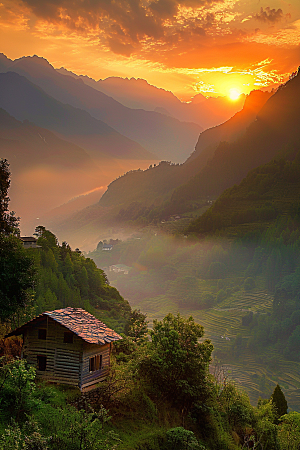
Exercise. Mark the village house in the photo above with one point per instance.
(29, 242)
(68, 346)
(107, 247)
(120, 268)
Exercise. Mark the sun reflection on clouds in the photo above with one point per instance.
(11, 17)
(289, 36)
(206, 46)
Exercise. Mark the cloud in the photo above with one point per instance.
(270, 15)
(285, 37)
(123, 26)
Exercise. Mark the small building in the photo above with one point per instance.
(29, 242)
(68, 346)
(119, 268)
(107, 247)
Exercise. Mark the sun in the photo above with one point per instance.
(234, 94)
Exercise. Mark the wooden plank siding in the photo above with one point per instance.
(63, 359)
(89, 350)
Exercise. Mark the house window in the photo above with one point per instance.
(42, 333)
(95, 363)
(68, 337)
(42, 362)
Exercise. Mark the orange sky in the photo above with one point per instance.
(187, 46)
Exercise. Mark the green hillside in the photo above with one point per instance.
(267, 193)
(66, 278)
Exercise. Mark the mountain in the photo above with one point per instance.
(123, 203)
(166, 137)
(46, 170)
(27, 144)
(139, 94)
(267, 193)
(177, 189)
(230, 130)
(26, 101)
(275, 131)
(157, 183)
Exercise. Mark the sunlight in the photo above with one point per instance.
(234, 94)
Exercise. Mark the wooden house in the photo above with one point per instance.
(29, 242)
(68, 346)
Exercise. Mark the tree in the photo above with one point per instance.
(278, 399)
(8, 221)
(289, 431)
(175, 362)
(17, 275)
(137, 326)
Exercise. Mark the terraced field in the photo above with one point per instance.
(258, 375)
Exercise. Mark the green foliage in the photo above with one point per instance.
(289, 431)
(279, 401)
(17, 388)
(78, 430)
(8, 222)
(217, 270)
(265, 430)
(67, 278)
(12, 439)
(137, 326)
(17, 275)
(175, 361)
(181, 439)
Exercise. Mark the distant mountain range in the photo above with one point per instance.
(26, 101)
(139, 94)
(160, 181)
(166, 188)
(266, 128)
(67, 136)
(45, 169)
(162, 136)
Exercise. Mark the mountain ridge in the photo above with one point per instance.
(166, 137)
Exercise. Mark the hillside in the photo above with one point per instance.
(266, 194)
(274, 131)
(229, 131)
(166, 137)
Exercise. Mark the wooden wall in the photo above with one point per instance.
(66, 363)
(63, 360)
(89, 350)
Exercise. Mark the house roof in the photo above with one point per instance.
(80, 322)
(121, 266)
(28, 239)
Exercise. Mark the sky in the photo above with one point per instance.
(212, 47)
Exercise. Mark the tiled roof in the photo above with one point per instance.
(27, 238)
(80, 322)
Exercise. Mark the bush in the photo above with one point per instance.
(18, 387)
(181, 439)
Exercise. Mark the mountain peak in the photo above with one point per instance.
(30, 60)
(256, 99)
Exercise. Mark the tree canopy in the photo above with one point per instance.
(8, 221)
(278, 399)
(176, 362)
(16, 266)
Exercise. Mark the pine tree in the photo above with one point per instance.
(278, 399)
